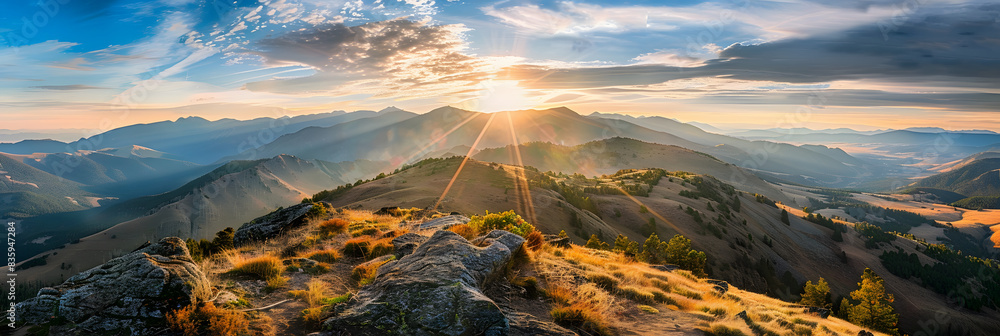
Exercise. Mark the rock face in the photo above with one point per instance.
(435, 290)
(444, 222)
(272, 224)
(127, 295)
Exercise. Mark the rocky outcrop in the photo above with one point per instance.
(444, 222)
(407, 243)
(271, 225)
(127, 295)
(435, 290)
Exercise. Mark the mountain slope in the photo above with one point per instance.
(229, 196)
(27, 191)
(605, 157)
(977, 178)
(762, 255)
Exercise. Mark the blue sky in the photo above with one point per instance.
(797, 63)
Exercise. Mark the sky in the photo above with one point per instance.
(865, 64)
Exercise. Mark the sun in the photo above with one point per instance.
(502, 95)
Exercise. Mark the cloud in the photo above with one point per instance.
(402, 54)
(71, 87)
(960, 46)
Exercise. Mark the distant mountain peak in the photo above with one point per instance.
(390, 109)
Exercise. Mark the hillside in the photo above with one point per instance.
(980, 177)
(27, 191)
(764, 255)
(413, 270)
(227, 197)
(608, 156)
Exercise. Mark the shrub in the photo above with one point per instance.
(327, 256)
(358, 247)
(636, 294)
(507, 220)
(464, 230)
(535, 240)
(263, 267)
(559, 295)
(581, 317)
(333, 227)
(603, 280)
(194, 320)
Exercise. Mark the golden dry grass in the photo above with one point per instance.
(262, 266)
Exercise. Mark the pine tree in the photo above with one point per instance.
(649, 249)
(621, 243)
(873, 308)
(677, 249)
(594, 242)
(784, 217)
(817, 295)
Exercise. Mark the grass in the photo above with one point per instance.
(464, 230)
(313, 294)
(723, 330)
(275, 282)
(580, 317)
(603, 280)
(637, 294)
(649, 309)
(359, 247)
(206, 318)
(365, 273)
(263, 267)
(333, 227)
(326, 256)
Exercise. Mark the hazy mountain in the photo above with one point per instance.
(444, 128)
(227, 197)
(34, 146)
(8, 136)
(813, 166)
(195, 139)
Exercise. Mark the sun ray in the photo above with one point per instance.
(521, 187)
(435, 141)
(464, 160)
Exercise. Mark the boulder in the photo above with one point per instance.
(127, 295)
(444, 222)
(557, 241)
(271, 225)
(436, 290)
(407, 243)
(720, 286)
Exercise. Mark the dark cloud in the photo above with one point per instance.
(941, 44)
(72, 87)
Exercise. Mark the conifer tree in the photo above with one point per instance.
(817, 295)
(872, 306)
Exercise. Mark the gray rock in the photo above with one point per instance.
(407, 243)
(720, 287)
(271, 225)
(130, 294)
(557, 241)
(433, 291)
(444, 222)
(225, 297)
